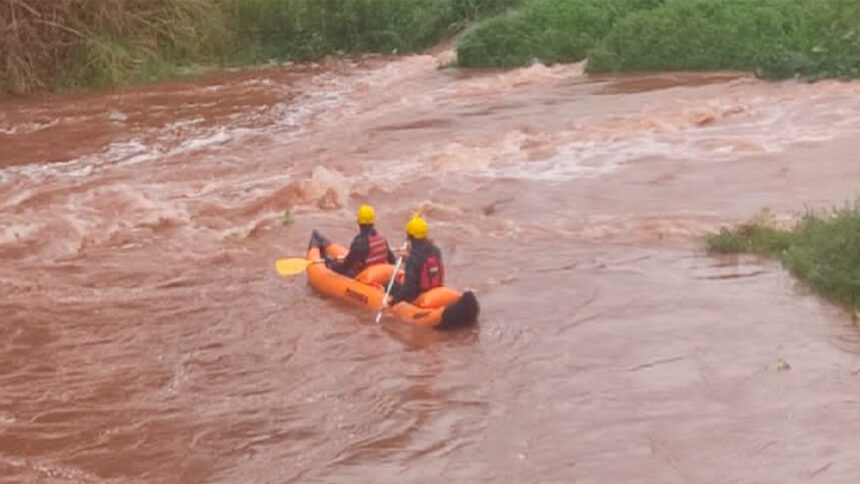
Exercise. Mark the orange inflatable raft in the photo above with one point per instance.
(441, 307)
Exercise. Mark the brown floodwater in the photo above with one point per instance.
(145, 336)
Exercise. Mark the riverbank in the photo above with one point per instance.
(821, 249)
(103, 43)
(773, 38)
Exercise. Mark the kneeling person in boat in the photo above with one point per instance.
(424, 269)
(367, 248)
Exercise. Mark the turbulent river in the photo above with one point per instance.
(145, 336)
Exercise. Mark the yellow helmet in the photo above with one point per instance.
(366, 215)
(417, 228)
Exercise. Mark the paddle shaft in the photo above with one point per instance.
(388, 290)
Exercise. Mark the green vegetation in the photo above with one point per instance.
(547, 30)
(305, 29)
(822, 249)
(94, 43)
(774, 38)
(50, 44)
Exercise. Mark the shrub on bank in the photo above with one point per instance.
(304, 29)
(695, 35)
(546, 30)
(774, 38)
(822, 249)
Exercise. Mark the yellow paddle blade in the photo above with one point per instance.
(291, 267)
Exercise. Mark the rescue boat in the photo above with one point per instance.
(441, 308)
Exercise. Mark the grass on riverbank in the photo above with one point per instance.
(774, 38)
(59, 44)
(306, 29)
(50, 44)
(823, 249)
(547, 30)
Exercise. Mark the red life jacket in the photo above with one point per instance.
(432, 273)
(377, 250)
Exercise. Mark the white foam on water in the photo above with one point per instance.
(28, 128)
(18, 232)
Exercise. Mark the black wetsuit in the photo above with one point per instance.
(359, 251)
(421, 251)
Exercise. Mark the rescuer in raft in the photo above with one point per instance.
(424, 269)
(367, 248)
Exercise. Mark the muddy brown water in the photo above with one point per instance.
(144, 336)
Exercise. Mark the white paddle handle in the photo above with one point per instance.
(388, 290)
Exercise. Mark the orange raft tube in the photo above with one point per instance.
(441, 307)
